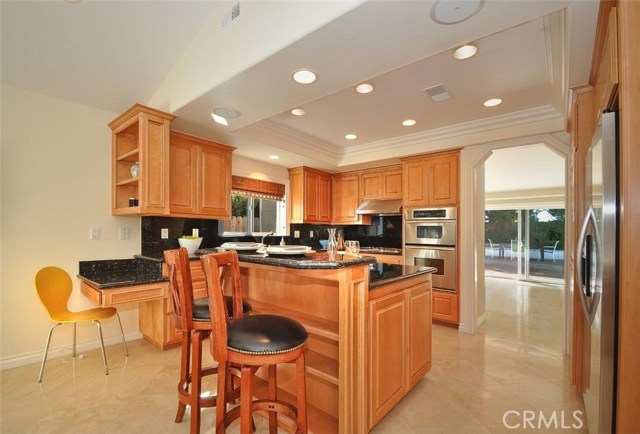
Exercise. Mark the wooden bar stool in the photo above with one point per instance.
(249, 343)
(191, 316)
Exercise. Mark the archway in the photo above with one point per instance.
(472, 227)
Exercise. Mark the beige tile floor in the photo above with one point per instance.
(513, 364)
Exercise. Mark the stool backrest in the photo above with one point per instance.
(177, 261)
(220, 270)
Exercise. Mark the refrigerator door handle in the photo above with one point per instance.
(584, 266)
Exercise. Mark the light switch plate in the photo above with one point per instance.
(296, 234)
(195, 232)
(164, 233)
(310, 234)
(94, 233)
(124, 233)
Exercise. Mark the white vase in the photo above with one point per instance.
(135, 169)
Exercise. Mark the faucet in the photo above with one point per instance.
(266, 235)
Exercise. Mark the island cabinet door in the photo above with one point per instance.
(388, 336)
(419, 333)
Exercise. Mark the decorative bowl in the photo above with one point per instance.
(191, 244)
(323, 243)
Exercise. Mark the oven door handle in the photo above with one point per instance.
(429, 247)
(428, 221)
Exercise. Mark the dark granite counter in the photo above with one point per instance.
(382, 274)
(310, 261)
(114, 273)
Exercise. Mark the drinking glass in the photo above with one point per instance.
(352, 247)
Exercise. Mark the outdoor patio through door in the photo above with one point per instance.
(526, 244)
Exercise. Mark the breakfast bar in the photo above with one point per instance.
(369, 330)
(369, 324)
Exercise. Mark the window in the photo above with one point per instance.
(256, 206)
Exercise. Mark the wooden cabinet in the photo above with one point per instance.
(445, 306)
(385, 259)
(400, 345)
(200, 177)
(345, 198)
(156, 317)
(141, 135)
(381, 183)
(431, 180)
(310, 195)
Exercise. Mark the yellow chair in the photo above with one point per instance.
(54, 288)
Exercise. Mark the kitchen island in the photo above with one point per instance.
(369, 330)
(369, 326)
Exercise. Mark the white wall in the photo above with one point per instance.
(56, 174)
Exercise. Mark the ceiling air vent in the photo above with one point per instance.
(231, 14)
(437, 93)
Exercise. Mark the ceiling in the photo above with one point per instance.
(179, 57)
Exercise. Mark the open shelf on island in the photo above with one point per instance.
(314, 325)
(318, 421)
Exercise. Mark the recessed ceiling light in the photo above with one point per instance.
(227, 112)
(364, 88)
(304, 76)
(454, 11)
(492, 102)
(219, 119)
(465, 52)
(408, 122)
(350, 137)
(273, 157)
(298, 112)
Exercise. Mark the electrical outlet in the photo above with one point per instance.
(124, 233)
(94, 233)
(195, 232)
(164, 233)
(296, 234)
(310, 234)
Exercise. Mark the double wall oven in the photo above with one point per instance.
(430, 240)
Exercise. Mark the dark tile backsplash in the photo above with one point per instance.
(383, 232)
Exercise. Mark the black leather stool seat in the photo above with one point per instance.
(265, 334)
(201, 308)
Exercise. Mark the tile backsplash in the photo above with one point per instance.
(383, 232)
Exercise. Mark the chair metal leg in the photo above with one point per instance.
(46, 351)
(75, 326)
(124, 342)
(104, 355)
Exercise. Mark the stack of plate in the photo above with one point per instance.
(242, 246)
(288, 250)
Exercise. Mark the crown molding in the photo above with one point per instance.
(400, 146)
(278, 135)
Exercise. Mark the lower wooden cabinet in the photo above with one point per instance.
(156, 317)
(445, 307)
(385, 259)
(400, 346)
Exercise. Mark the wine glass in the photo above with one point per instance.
(353, 247)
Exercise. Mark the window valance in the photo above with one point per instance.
(257, 188)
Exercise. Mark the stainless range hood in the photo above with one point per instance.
(380, 207)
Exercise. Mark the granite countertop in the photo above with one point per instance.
(382, 274)
(310, 261)
(106, 274)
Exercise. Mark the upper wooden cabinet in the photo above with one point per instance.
(381, 183)
(345, 198)
(431, 180)
(141, 134)
(200, 177)
(310, 195)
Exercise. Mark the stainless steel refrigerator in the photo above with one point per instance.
(597, 274)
